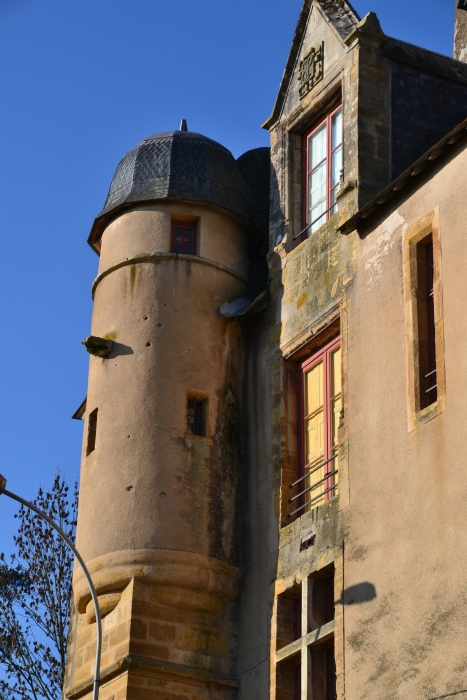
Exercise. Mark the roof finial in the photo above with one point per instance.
(183, 125)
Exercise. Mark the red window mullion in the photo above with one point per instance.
(306, 169)
(324, 355)
(187, 247)
(329, 163)
(328, 421)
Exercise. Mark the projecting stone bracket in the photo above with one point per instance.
(345, 188)
(100, 347)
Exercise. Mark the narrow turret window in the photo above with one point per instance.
(92, 431)
(183, 238)
(426, 324)
(196, 416)
(424, 319)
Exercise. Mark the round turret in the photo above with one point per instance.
(159, 521)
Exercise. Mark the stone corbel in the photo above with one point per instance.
(345, 188)
(100, 347)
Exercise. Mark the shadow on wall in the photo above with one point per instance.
(360, 593)
(120, 349)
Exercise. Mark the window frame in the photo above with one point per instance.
(185, 225)
(417, 233)
(323, 354)
(327, 121)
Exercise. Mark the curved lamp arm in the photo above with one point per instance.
(31, 506)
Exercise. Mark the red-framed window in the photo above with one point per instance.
(323, 165)
(183, 239)
(320, 401)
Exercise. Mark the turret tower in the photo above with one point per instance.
(159, 516)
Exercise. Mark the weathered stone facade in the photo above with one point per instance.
(212, 583)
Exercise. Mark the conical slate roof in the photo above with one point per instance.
(177, 165)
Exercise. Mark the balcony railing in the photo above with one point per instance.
(329, 475)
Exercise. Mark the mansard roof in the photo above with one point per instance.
(341, 16)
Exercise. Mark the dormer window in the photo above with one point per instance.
(323, 159)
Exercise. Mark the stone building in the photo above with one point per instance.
(272, 485)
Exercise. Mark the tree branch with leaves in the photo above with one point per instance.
(35, 599)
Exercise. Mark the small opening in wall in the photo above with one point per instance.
(197, 410)
(426, 323)
(289, 616)
(183, 240)
(330, 662)
(288, 679)
(92, 430)
(322, 608)
(323, 680)
(307, 542)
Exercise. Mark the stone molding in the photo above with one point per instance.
(166, 569)
(159, 257)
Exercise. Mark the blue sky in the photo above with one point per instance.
(81, 83)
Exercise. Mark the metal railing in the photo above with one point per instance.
(315, 485)
(430, 374)
(315, 221)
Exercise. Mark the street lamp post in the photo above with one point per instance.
(31, 506)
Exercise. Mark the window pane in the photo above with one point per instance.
(317, 196)
(335, 419)
(178, 234)
(336, 379)
(314, 453)
(189, 249)
(189, 235)
(336, 388)
(178, 247)
(337, 129)
(314, 389)
(336, 167)
(314, 440)
(317, 148)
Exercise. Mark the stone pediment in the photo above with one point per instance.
(319, 20)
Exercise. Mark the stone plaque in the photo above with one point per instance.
(311, 70)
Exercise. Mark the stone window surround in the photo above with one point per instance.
(184, 222)
(416, 232)
(314, 337)
(325, 121)
(300, 650)
(296, 128)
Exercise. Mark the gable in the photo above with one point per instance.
(328, 21)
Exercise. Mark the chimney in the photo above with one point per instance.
(460, 31)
